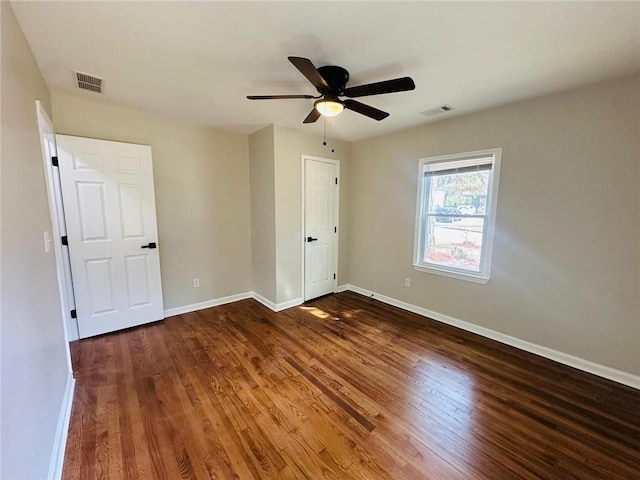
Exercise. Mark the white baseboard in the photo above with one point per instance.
(62, 430)
(560, 357)
(291, 303)
(267, 303)
(170, 312)
(343, 288)
(276, 307)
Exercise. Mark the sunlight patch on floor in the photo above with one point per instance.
(316, 312)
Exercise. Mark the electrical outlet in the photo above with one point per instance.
(407, 282)
(196, 282)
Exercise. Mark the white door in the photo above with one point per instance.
(109, 206)
(320, 226)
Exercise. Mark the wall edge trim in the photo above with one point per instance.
(588, 366)
(170, 312)
(289, 304)
(194, 307)
(264, 301)
(276, 307)
(62, 430)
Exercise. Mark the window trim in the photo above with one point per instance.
(484, 275)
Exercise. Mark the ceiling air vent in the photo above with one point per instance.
(437, 110)
(89, 82)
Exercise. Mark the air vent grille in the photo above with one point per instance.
(437, 110)
(89, 82)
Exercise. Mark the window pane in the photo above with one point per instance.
(453, 242)
(458, 193)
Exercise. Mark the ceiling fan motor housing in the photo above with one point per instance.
(336, 77)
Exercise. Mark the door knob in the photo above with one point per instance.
(151, 245)
(311, 239)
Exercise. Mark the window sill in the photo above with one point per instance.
(451, 274)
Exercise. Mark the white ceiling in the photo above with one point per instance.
(197, 61)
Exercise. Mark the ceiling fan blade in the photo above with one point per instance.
(366, 110)
(310, 71)
(276, 97)
(388, 86)
(312, 117)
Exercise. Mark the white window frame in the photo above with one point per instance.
(457, 160)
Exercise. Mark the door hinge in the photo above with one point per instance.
(54, 161)
(334, 276)
(74, 314)
(336, 180)
(335, 229)
(64, 240)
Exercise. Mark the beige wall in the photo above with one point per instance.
(290, 145)
(566, 258)
(201, 178)
(276, 208)
(34, 351)
(263, 214)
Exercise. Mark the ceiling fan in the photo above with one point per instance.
(331, 83)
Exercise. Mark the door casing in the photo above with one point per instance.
(55, 211)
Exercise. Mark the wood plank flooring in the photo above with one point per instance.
(344, 387)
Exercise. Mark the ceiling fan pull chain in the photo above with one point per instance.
(333, 122)
(324, 135)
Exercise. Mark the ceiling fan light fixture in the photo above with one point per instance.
(329, 107)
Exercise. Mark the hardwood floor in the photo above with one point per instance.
(344, 387)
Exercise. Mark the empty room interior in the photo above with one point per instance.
(320, 240)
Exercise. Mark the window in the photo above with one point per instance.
(455, 214)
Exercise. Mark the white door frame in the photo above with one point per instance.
(70, 327)
(303, 196)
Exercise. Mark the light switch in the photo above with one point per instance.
(47, 242)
